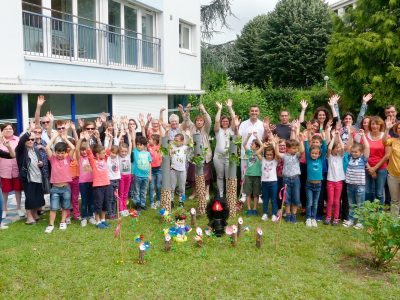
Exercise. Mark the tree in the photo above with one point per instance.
(213, 14)
(245, 63)
(364, 51)
(292, 46)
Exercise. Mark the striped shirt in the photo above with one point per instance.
(355, 173)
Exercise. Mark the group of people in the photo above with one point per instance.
(328, 165)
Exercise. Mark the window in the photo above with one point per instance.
(8, 112)
(185, 36)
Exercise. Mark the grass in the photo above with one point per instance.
(81, 263)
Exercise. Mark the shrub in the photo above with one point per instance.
(383, 232)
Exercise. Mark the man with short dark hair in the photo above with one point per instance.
(283, 129)
(391, 114)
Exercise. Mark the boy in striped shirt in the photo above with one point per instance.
(355, 177)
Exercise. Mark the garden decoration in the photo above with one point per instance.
(231, 186)
(282, 197)
(199, 237)
(193, 217)
(143, 247)
(259, 240)
(198, 160)
(232, 232)
(118, 231)
(167, 242)
(181, 229)
(165, 215)
(218, 214)
(134, 214)
(240, 226)
(166, 196)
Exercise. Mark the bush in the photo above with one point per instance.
(383, 230)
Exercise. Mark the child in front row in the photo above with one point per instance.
(269, 179)
(252, 179)
(60, 192)
(124, 158)
(141, 171)
(101, 183)
(179, 154)
(114, 174)
(355, 177)
(315, 154)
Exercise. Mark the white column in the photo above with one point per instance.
(47, 38)
(25, 111)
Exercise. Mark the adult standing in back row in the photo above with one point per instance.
(253, 124)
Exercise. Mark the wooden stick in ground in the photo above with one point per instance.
(282, 196)
(240, 226)
(200, 183)
(167, 242)
(231, 187)
(234, 236)
(259, 233)
(141, 255)
(193, 217)
(166, 196)
(120, 227)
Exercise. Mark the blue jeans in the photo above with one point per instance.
(356, 197)
(292, 190)
(60, 196)
(141, 184)
(155, 182)
(375, 187)
(269, 190)
(86, 190)
(312, 190)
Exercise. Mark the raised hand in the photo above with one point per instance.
(98, 123)
(237, 121)
(201, 107)
(149, 118)
(81, 123)
(180, 108)
(329, 124)
(219, 105)
(229, 103)
(40, 100)
(67, 125)
(162, 109)
(303, 104)
(389, 123)
(188, 107)
(103, 117)
(367, 98)
(333, 100)
(72, 125)
(141, 119)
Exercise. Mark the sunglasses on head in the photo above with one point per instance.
(60, 128)
(45, 122)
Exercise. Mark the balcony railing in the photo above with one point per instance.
(90, 42)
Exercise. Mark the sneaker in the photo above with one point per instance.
(293, 219)
(358, 226)
(68, 221)
(260, 200)
(319, 219)
(308, 223)
(49, 229)
(314, 223)
(4, 214)
(106, 224)
(348, 223)
(21, 214)
(264, 217)
(274, 218)
(254, 212)
(288, 218)
(153, 206)
(2, 226)
(101, 226)
(158, 204)
(92, 221)
(327, 222)
(243, 199)
(83, 222)
(249, 212)
(63, 226)
(335, 223)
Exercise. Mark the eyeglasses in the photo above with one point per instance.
(31, 139)
(37, 132)
(60, 128)
(45, 122)
(89, 128)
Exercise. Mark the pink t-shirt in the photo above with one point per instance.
(9, 167)
(99, 168)
(86, 174)
(155, 154)
(376, 152)
(60, 170)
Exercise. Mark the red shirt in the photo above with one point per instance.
(156, 156)
(60, 169)
(99, 169)
(376, 152)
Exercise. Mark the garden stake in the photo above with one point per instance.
(259, 237)
(282, 196)
(200, 184)
(231, 186)
(239, 227)
(166, 196)
(118, 231)
(193, 217)
(167, 242)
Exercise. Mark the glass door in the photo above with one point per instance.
(131, 41)
(148, 47)
(62, 34)
(87, 29)
(114, 34)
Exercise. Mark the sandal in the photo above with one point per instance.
(30, 222)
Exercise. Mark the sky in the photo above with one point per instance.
(244, 11)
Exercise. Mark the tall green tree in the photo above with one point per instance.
(245, 64)
(292, 46)
(213, 15)
(364, 51)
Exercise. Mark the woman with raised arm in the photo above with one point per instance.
(224, 128)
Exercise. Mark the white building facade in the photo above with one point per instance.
(123, 57)
(340, 6)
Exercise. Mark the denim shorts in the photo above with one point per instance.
(60, 196)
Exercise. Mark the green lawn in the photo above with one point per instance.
(81, 263)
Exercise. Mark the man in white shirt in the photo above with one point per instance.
(253, 124)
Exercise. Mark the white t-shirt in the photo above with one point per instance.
(246, 127)
(178, 158)
(223, 140)
(114, 171)
(125, 165)
(335, 168)
(268, 170)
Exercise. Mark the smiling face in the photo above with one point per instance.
(37, 132)
(391, 113)
(375, 127)
(29, 143)
(45, 122)
(321, 116)
(269, 155)
(348, 120)
(365, 124)
(315, 153)
(155, 124)
(123, 151)
(284, 117)
(199, 122)
(8, 132)
(224, 123)
(254, 113)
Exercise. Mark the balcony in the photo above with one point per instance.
(79, 40)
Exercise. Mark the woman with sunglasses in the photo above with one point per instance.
(30, 168)
(40, 146)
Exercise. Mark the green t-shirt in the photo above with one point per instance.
(253, 164)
